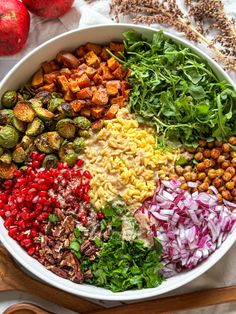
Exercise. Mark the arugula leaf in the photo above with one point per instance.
(176, 91)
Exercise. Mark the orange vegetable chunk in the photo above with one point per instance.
(100, 97)
(92, 59)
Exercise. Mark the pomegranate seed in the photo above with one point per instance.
(79, 162)
(34, 155)
(17, 173)
(100, 215)
(86, 198)
(41, 157)
(82, 215)
(87, 174)
(43, 193)
(21, 236)
(8, 222)
(84, 221)
(31, 250)
(13, 231)
(26, 242)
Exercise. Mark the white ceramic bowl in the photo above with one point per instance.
(20, 74)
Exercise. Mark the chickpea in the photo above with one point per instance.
(221, 159)
(184, 186)
(207, 180)
(204, 186)
(201, 166)
(200, 149)
(226, 194)
(233, 154)
(231, 170)
(234, 179)
(233, 161)
(198, 156)
(207, 163)
(207, 153)
(173, 176)
(226, 148)
(221, 189)
(215, 153)
(194, 176)
(212, 174)
(217, 182)
(218, 143)
(201, 176)
(232, 140)
(190, 150)
(227, 176)
(187, 168)
(233, 192)
(219, 197)
(213, 162)
(179, 170)
(219, 172)
(225, 164)
(229, 185)
(202, 143)
(188, 176)
(181, 178)
(211, 144)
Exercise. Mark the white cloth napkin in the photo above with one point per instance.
(81, 15)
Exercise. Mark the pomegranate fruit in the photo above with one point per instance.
(14, 26)
(49, 9)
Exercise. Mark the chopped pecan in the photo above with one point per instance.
(59, 213)
(88, 248)
(58, 271)
(68, 224)
(58, 231)
(88, 274)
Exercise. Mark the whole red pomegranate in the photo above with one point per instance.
(50, 9)
(14, 26)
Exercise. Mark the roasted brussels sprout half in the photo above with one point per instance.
(54, 140)
(50, 161)
(54, 103)
(84, 133)
(19, 155)
(70, 158)
(26, 142)
(36, 103)
(9, 99)
(44, 96)
(66, 128)
(78, 144)
(34, 128)
(42, 144)
(6, 158)
(9, 136)
(24, 111)
(82, 123)
(19, 125)
(7, 170)
(26, 92)
(44, 114)
(6, 116)
(66, 108)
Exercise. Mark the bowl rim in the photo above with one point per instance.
(106, 294)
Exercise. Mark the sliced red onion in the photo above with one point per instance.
(190, 226)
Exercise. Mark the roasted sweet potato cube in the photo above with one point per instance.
(97, 112)
(63, 83)
(92, 59)
(37, 79)
(80, 51)
(100, 97)
(97, 125)
(77, 104)
(48, 87)
(74, 87)
(69, 60)
(119, 72)
(90, 71)
(112, 111)
(107, 74)
(96, 48)
(50, 77)
(86, 112)
(113, 87)
(66, 72)
(69, 96)
(119, 101)
(83, 81)
(104, 54)
(85, 93)
(116, 46)
(97, 79)
(59, 56)
(112, 63)
(49, 66)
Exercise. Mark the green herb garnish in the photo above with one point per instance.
(176, 91)
(53, 218)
